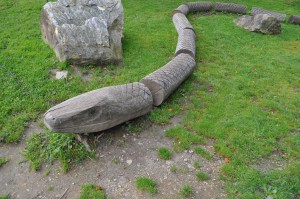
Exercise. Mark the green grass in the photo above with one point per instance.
(3, 161)
(197, 165)
(186, 191)
(5, 196)
(203, 153)
(146, 184)
(244, 93)
(91, 191)
(164, 153)
(183, 139)
(201, 176)
(175, 169)
(47, 147)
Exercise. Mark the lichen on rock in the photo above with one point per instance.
(84, 31)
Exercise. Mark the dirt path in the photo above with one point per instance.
(120, 158)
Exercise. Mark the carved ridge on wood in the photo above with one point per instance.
(231, 8)
(107, 107)
(165, 80)
(186, 43)
(279, 16)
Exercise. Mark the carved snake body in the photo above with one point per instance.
(107, 107)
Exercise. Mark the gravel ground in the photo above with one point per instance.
(120, 159)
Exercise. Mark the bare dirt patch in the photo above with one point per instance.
(120, 159)
(274, 162)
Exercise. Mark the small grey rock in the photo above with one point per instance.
(190, 167)
(61, 74)
(263, 23)
(129, 162)
(168, 162)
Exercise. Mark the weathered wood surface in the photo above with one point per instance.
(186, 43)
(230, 7)
(100, 109)
(294, 19)
(165, 80)
(181, 22)
(200, 6)
(184, 9)
(279, 16)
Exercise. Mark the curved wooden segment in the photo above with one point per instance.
(279, 16)
(186, 43)
(230, 7)
(200, 6)
(181, 22)
(294, 20)
(165, 80)
(100, 109)
(184, 9)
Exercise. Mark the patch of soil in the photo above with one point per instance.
(274, 162)
(120, 159)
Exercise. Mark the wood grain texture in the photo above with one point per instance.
(200, 6)
(165, 80)
(184, 9)
(181, 22)
(279, 16)
(186, 43)
(230, 7)
(294, 19)
(100, 109)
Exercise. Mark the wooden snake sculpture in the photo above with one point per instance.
(107, 107)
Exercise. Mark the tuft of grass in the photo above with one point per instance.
(91, 191)
(183, 139)
(203, 153)
(136, 125)
(4, 196)
(115, 160)
(3, 161)
(47, 147)
(163, 114)
(197, 165)
(50, 188)
(146, 184)
(63, 65)
(133, 128)
(201, 176)
(175, 169)
(47, 172)
(186, 191)
(164, 153)
(121, 142)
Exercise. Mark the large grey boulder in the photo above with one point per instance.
(84, 31)
(263, 23)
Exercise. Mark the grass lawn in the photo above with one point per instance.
(244, 93)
